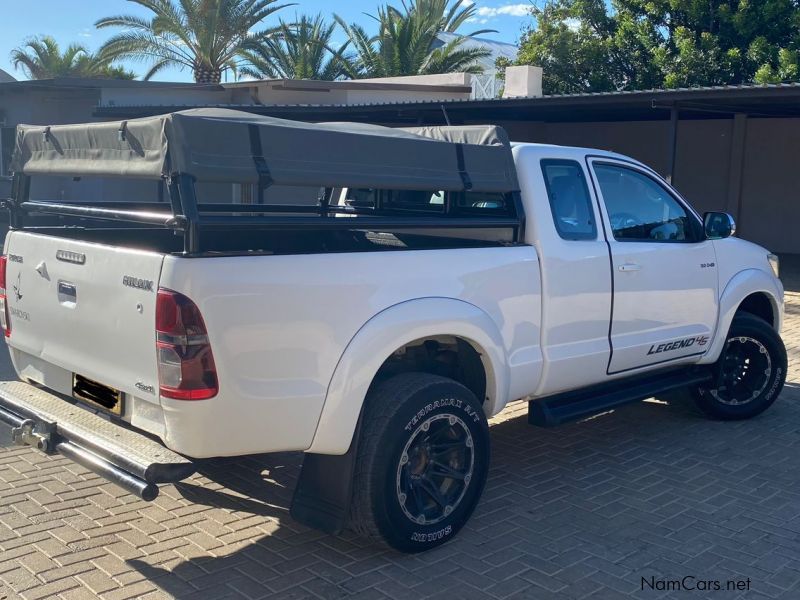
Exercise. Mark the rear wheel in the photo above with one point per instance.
(422, 461)
(749, 374)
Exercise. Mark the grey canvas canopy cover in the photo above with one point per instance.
(220, 145)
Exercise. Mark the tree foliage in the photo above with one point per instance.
(42, 58)
(299, 50)
(406, 40)
(206, 36)
(210, 37)
(591, 46)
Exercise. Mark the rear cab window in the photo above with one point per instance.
(570, 202)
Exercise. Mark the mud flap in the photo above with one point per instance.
(322, 497)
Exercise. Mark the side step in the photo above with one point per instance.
(30, 416)
(579, 404)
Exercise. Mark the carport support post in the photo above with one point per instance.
(734, 199)
(673, 143)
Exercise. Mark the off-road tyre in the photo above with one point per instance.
(414, 423)
(750, 372)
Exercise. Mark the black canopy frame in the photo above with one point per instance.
(186, 217)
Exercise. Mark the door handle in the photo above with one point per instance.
(630, 267)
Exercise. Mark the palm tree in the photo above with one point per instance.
(299, 50)
(206, 36)
(42, 58)
(406, 40)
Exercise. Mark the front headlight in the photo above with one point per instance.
(775, 263)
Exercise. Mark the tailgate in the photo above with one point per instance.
(87, 308)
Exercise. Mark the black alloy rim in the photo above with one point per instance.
(435, 469)
(744, 373)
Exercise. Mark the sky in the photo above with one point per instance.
(70, 22)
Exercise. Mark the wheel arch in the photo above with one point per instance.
(762, 305)
(392, 330)
(753, 291)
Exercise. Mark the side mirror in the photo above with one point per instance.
(718, 225)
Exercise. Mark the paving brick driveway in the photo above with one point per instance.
(585, 510)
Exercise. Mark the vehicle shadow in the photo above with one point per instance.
(550, 492)
(260, 485)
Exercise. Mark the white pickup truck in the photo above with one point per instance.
(367, 296)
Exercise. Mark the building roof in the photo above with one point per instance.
(93, 83)
(315, 85)
(5, 77)
(115, 92)
(295, 84)
(775, 100)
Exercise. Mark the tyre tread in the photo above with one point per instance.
(381, 405)
(747, 320)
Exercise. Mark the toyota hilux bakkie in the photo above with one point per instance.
(365, 295)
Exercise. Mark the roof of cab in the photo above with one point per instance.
(558, 151)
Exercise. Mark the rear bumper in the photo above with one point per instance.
(31, 416)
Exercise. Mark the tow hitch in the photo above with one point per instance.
(30, 416)
(39, 435)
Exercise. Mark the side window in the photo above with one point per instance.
(480, 203)
(569, 197)
(642, 210)
(396, 200)
(436, 201)
(414, 201)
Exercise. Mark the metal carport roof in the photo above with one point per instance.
(779, 100)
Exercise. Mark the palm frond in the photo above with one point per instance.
(155, 68)
(127, 21)
(208, 36)
(42, 58)
(407, 40)
(298, 50)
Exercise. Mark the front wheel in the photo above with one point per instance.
(422, 463)
(750, 373)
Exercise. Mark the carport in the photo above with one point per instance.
(731, 148)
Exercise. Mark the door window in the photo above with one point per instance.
(642, 210)
(569, 197)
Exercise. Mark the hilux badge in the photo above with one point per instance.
(136, 282)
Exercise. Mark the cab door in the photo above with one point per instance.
(664, 270)
(564, 226)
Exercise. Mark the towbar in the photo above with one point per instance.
(31, 416)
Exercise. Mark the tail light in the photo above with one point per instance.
(186, 369)
(5, 321)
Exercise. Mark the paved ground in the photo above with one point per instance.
(587, 510)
